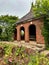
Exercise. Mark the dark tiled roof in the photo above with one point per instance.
(28, 16)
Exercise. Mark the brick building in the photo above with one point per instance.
(30, 27)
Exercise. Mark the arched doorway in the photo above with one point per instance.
(15, 34)
(32, 32)
(22, 33)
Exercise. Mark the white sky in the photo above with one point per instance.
(15, 7)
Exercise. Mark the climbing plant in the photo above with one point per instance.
(41, 8)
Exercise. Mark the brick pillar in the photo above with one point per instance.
(26, 34)
(39, 36)
(18, 34)
(15, 35)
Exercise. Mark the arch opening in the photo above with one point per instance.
(22, 33)
(32, 32)
(15, 34)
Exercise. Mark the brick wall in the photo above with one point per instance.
(38, 24)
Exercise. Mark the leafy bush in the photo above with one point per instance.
(7, 26)
(38, 59)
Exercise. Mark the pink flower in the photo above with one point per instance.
(10, 60)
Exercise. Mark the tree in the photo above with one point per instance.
(7, 25)
(41, 8)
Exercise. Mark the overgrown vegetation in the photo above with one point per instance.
(19, 55)
(41, 8)
(7, 27)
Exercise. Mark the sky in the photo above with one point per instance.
(15, 7)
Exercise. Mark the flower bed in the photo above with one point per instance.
(15, 55)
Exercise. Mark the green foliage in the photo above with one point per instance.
(41, 8)
(10, 19)
(7, 27)
(38, 59)
(46, 32)
(19, 50)
(7, 48)
(19, 56)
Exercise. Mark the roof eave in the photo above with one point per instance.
(31, 19)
